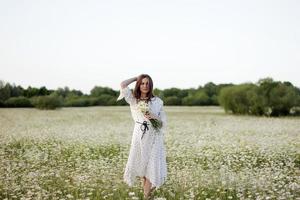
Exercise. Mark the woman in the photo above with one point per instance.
(147, 158)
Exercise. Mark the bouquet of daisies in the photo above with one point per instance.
(144, 108)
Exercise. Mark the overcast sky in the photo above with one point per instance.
(182, 44)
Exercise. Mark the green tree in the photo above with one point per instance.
(210, 89)
(197, 99)
(98, 91)
(235, 98)
(172, 100)
(43, 91)
(5, 91)
(171, 92)
(31, 92)
(282, 99)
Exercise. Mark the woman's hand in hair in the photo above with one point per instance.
(139, 77)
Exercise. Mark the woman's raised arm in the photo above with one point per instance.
(125, 83)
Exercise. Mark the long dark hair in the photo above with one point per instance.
(137, 91)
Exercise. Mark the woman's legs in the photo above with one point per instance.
(147, 187)
(143, 181)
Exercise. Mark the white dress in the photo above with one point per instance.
(147, 156)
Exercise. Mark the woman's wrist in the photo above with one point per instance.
(156, 117)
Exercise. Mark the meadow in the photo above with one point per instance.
(80, 153)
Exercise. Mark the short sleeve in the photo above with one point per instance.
(127, 94)
(162, 116)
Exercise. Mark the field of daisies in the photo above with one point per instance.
(81, 153)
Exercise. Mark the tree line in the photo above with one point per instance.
(266, 97)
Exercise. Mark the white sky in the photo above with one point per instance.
(80, 44)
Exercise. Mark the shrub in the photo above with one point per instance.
(282, 99)
(257, 102)
(47, 102)
(77, 102)
(267, 98)
(236, 98)
(106, 100)
(295, 111)
(1, 103)
(196, 99)
(18, 102)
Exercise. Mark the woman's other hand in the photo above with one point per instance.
(150, 116)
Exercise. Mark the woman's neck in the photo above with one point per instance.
(144, 96)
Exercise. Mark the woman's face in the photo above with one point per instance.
(144, 87)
